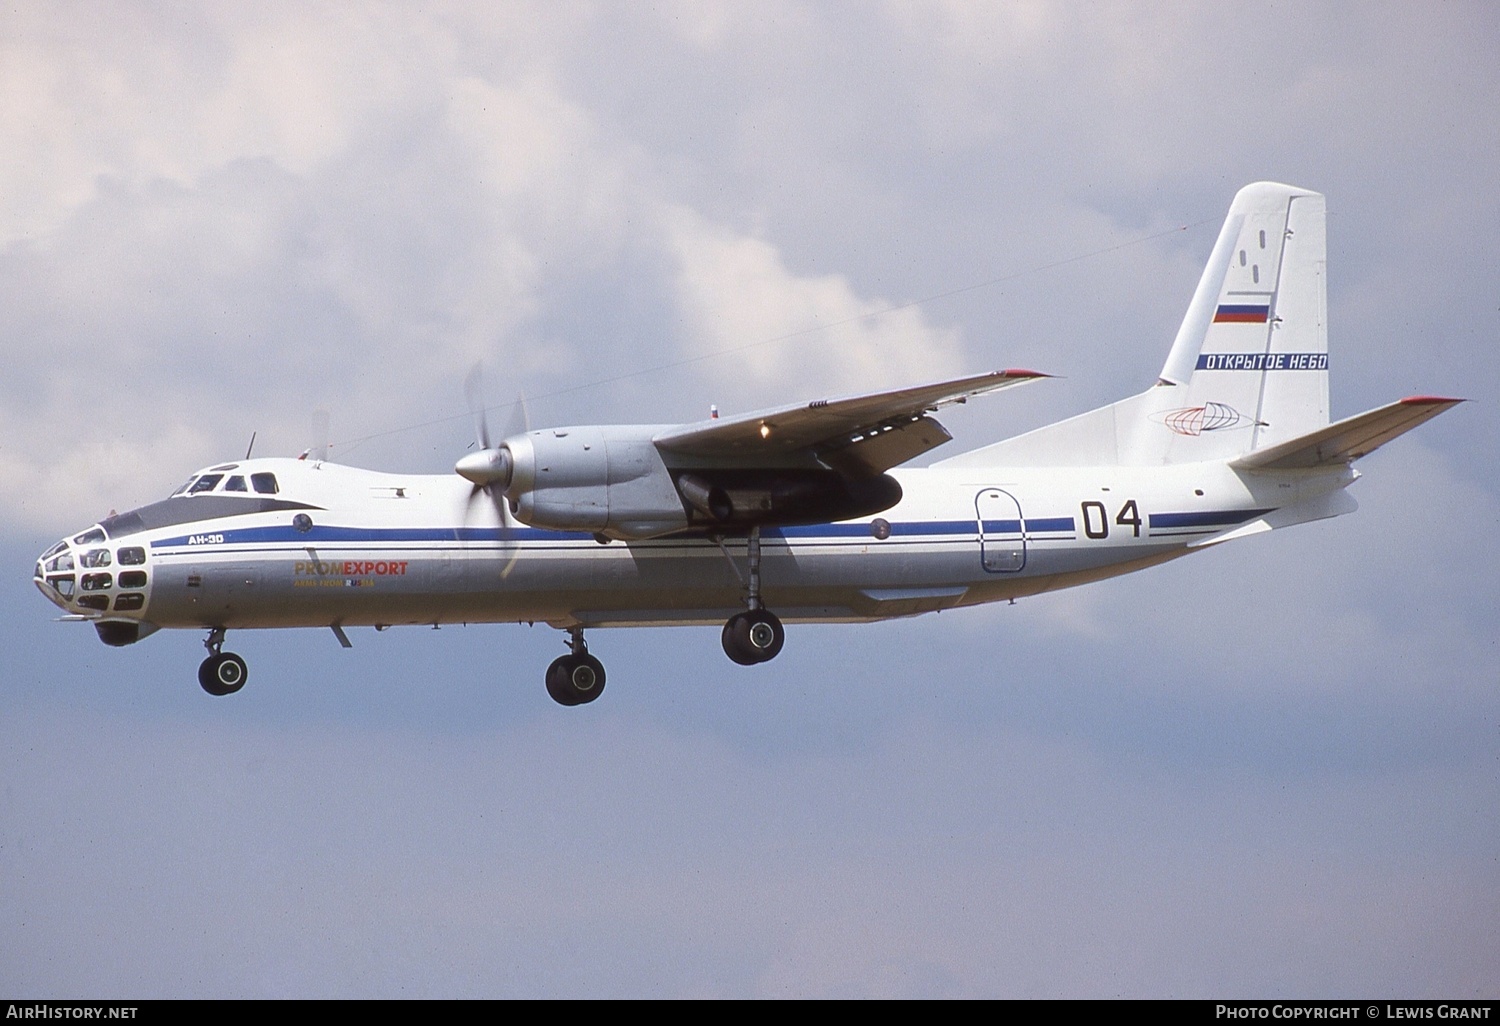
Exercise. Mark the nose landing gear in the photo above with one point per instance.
(222, 673)
(576, 678)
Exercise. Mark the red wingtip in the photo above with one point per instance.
(1017, 372)
(1429, 400)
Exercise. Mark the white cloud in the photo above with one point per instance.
(786, 335)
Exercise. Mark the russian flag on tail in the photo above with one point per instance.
(1242, 313)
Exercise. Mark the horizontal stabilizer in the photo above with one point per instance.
(1349, 439)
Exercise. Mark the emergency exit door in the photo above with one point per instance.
(1002, 531)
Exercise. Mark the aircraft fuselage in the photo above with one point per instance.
(349, 547)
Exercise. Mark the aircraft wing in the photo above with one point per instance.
(863, 434)
(1348, 439)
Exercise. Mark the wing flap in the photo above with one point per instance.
(836, 426)
(887, 445)
(1348, 439)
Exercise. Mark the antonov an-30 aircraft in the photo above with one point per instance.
(791, 514)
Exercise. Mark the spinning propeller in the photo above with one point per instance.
(489, 468)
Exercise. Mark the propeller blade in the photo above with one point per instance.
(474, 395)
(520, 417)
(474, 493)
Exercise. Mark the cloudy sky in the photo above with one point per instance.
(1272, 769)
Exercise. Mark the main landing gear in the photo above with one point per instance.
(576, 678)
(756, 635)
(222, 673)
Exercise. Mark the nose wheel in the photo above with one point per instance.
(576, 678)
(222, 673)
(756, 635)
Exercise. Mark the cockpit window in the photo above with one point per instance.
(54, 550)
(133, 555)
(202, 506)
(235, 484)
(205, 483)
(95, 557)
(185, 486)
(265, 484)
(90, 537)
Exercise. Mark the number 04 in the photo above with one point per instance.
(1096, 519)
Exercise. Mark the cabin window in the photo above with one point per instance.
(265, 484)
(133, 579)
(96, 582)
(126, 603)
(235, 484)
(205, 483)
(134, 555)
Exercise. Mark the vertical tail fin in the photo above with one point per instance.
(1248, 368)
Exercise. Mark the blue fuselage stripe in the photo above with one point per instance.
(913, 530)
(1211, 518)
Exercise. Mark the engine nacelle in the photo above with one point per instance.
(739, 498)
(605, 479)
(611, 480)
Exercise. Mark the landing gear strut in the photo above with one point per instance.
(222, 673)
(756, 635)
(576, 678)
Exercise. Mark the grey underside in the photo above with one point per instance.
(614, 585)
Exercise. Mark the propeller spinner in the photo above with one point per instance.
(486, 467)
